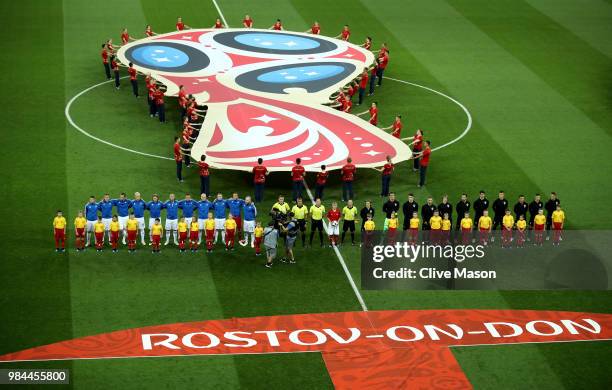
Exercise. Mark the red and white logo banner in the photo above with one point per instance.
(369, 350)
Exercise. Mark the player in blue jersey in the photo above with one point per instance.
(235, 205)
(204, 206)
(123, 205)
(106, 209)
(220, 207)
(171, 206)
(188, 206)
(155, 207)
(250, 212)
(91, 215)
(138, 207)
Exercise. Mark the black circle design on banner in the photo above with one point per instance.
(312, 76)
(167, 57)
(274, 42)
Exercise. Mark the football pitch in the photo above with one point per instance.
(518, 93)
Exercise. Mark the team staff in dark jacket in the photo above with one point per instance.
(500, 205)
(462, 207)
(427, 212)
(365, 211)
(481, 204)
(534, 207)
(520, 208)
(408, 208)
(446, 208)
(390, 206)
(550, 206)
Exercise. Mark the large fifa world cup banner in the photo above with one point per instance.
(266, 93)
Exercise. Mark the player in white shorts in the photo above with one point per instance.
(248, 228)
(219, 206)
(171, 227)
(204, 206)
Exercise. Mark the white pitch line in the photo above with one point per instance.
(220, 13)
(341, 259)
(467, 112)
(71, 121)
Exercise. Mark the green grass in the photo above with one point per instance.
(535, 78)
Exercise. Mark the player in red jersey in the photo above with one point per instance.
(345, 34)
(320, 183)
(386, 171)
(247, 22)
(373, 111)
(297, 177)
(333, 218)
(396, 127)
(278, 25)
(149, 31)
(204, 175)
(115, 68)
(218, 24)
(160, 106)
(151, 85)
(367, 44)
(348, 175)
(315, 29)
(180, 26)
(373, 76)
(178, 158)
(383, 58)
(133, 79)
(104, 55)
(363, 83)
(259, 179)
(347, 104)
(125, 37)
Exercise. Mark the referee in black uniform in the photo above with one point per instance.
(446, 208)
(534, 207)
(550, 206)
(427, 211)
(520, 208)
(500, 205)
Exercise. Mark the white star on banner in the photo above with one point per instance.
(311, 73)
(203, 80)
(162, 59)
(290, 43)
(372, 153)
(265, 118)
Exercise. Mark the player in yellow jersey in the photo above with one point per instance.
(194, 234)
(413, 228)
(521, 231)
(132, 226)
(230, 232)
(392, 228)
(539, 223)
(558, 220)
(466, 225)
(317, 211)
(435, 227)
(258, 234)
(446, 229)
(349, 217)
(99, 229)
(156, 234)
(507, 226)
(300, 212)
(182, 228)
(209, 231)
(80, 223)
(114, 229)
(485, 223)
(59, 231)
(368, 231)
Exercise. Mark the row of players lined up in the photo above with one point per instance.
(96, 213)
